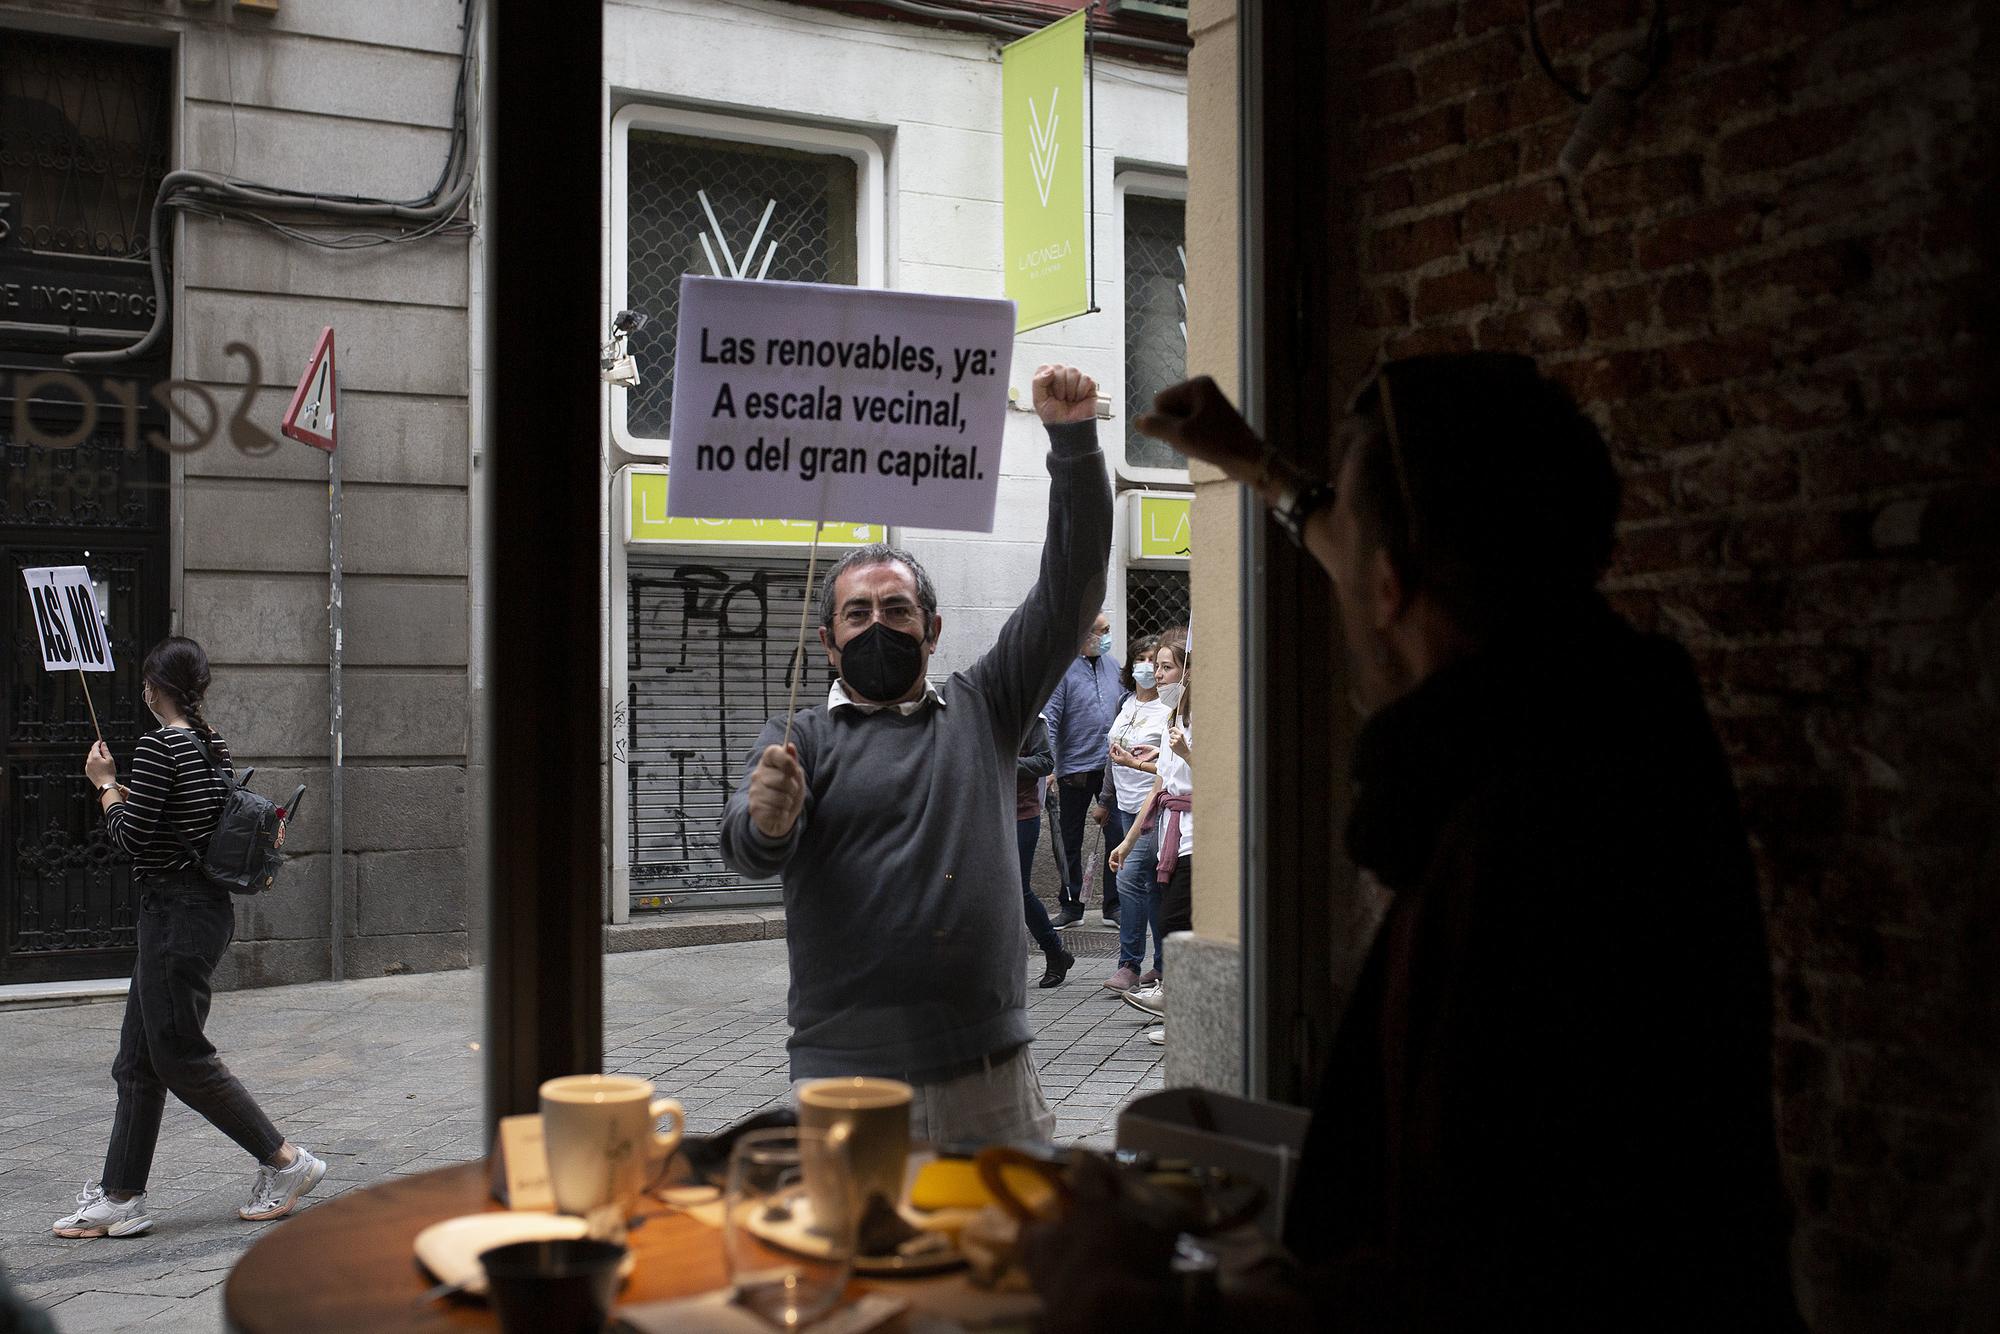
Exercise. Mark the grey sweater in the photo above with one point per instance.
(902, 877)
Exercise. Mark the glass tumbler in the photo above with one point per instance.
(785, 1264)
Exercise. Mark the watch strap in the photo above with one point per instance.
(1301, 499)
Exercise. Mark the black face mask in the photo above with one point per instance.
(880, 665)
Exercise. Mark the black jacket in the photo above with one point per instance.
(1549, 1101)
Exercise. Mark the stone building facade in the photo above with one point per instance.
(230, 545)
(889, 127)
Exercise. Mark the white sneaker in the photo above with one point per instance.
(1153, 999)
(1157, 1035)
(98, 1215)
(277, 1189)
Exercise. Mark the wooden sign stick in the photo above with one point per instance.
(84, 681)
(805, 614)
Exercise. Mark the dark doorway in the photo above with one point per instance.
(82, 147)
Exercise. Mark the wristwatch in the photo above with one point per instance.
(111, 786)
(1299, 496)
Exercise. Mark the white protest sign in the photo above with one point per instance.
(67, 620)
(809, 401)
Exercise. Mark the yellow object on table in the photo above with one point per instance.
(949, 1183)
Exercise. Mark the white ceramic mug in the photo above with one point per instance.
(877, 1115)
(603, 1147)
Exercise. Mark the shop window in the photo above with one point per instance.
(1155, 233)
(785, 204)
(1155, 600)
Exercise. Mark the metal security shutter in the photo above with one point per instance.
(711, 636)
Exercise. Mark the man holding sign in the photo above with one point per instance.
(889, 815)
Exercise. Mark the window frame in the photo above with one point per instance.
(1148, 183)
(870, 223)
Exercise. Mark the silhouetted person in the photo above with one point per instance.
(1548, 1102)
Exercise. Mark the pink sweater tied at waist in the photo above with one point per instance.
(1174, 804)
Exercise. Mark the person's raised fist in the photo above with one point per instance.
(1197, 418)
(1064, 394)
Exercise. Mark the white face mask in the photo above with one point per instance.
(1170, 695)
(1142, 675)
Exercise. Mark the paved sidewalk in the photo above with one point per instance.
(381, 1077)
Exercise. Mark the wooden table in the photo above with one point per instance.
(350, 1264)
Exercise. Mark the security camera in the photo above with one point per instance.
(616, 364)
(622, 371)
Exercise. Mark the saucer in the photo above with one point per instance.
(794, 1233)
(450, 1250)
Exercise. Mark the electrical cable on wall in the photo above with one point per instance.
(211, 195)
(1627, 76)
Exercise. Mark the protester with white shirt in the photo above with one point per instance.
(1169, 811)
(1135, 740)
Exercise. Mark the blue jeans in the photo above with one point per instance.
(1027, 833)
(1115, 829)
(1139, 901)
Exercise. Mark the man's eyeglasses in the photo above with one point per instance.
(897, 614)
(1388, 400)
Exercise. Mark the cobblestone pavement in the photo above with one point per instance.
(381, 1077)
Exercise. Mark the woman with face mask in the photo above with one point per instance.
(1167, 823)
(163, 820)
(1135, 738)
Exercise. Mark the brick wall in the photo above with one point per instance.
(1770, 290)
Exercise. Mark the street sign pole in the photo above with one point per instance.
(312, 419)
(335, 809)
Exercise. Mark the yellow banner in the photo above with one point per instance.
(647, 520)
(1043, 104)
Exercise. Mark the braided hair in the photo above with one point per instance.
(178, 668)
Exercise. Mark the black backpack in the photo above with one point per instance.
(242, 854)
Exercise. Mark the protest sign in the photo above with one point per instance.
(67, 620)
(810, 401)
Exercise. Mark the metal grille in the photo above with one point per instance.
(83, 142)
(1155, 600)
(729, 210)
(96, 484)
(1155, 315)
(710, 642)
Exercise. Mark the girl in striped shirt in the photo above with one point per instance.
(163, 819)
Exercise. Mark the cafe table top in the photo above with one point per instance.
(350, 1263)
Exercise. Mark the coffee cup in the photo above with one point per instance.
(603, 1148)
(553, 1287)
(877, 1115)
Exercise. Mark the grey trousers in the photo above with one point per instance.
(1000, 1103)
